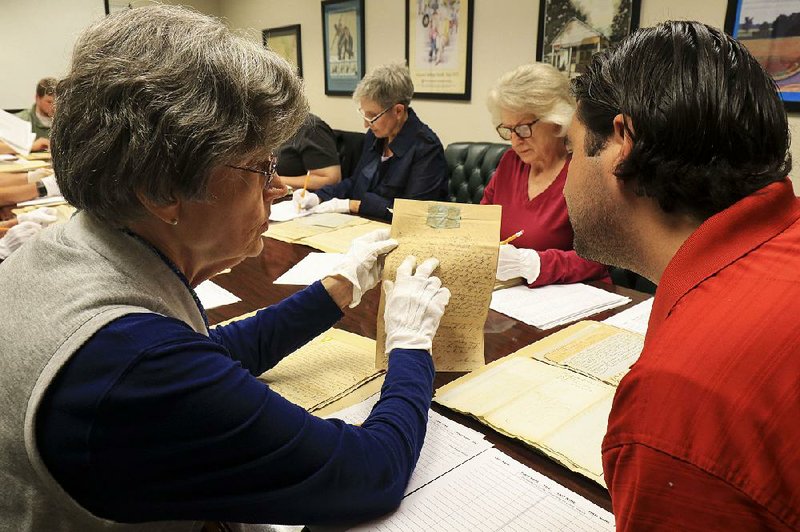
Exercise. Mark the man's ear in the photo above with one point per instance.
(168, 213)
(621, 138)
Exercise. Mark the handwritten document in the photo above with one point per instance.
(494, 492)
(330, 366)
(447, 443)
(465, 240)
(554, 395)
(550, 306)
(339, 240)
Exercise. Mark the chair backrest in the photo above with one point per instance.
(349, 145)
(471, 166)
(628, 279)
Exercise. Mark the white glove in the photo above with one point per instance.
(361, 265)
(16, 236)
(414, 305)
(332, 205)
(50, 184)
(43, 216)
(39, 173)
(304, 199)
(518, 262)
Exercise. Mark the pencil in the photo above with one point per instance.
(305, 187)
(513, 237)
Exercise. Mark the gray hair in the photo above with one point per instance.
(158, 96)
(536, 88)
(387, 85)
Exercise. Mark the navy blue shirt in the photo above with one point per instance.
(150, 420)
(417, 170)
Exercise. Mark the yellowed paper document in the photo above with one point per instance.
(465, 238)
(327, 368)
(554, 395)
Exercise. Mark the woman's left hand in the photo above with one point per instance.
(362, 266)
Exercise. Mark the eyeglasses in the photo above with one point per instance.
(269, 174)
(374, 119)
(523, 131)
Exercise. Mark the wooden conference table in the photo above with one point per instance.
(252, 281)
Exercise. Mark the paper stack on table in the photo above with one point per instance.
(313, 267)
(212, 295)
(550, 306)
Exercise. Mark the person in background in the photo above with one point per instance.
(310, 152)
(40, 115)
(402, 157)
(679, 173)
(532, 107)
(121, 406)
(16, 187)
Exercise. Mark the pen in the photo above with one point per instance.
(513, 237)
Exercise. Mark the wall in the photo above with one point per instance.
(504, 37)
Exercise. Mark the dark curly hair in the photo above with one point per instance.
(707, 124)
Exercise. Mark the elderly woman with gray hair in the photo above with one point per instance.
(401, 158)
(532, 107)
(120, 405)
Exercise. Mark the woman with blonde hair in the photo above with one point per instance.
(532, 107)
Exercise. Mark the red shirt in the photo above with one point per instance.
(705, 429)
(544, 219)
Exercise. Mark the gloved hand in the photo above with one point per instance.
(517, 262)
(51, 185)
(361, 265)
(414, 305)
(16, 236)
(43, 216)
(332, 205)
(39, 173)
(304, 199)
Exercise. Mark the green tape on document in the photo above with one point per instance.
(444, 216)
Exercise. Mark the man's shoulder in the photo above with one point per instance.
(25, 114)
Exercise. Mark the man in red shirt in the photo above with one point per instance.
(680, 157)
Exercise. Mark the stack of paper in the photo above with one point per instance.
(447, 444)
(326, 369)
(16, 132)
(212, 295)
(313, 267)
(554, 305)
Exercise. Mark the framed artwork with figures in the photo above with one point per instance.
(343, 45)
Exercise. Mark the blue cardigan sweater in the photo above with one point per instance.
(150, 420)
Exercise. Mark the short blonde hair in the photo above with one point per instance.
(387, 85)
(536, 88)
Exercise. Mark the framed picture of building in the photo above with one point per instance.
(439, 48)
(285, 41)
(771, 31)
(343, 45)
(571, 31)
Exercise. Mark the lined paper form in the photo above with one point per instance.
(212, 295)
(550, 306)
(313, 267)
(494, 492)
(633, 319)
(447, 443)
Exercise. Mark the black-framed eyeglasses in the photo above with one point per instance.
(269, 174)
(375, 118)
(523, 131)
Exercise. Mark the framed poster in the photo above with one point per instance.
(439, 48)
(571, 31)
(285, 41)
(112, 6)
(343, 45)
(771, 31)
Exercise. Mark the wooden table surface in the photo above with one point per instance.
(252, 281)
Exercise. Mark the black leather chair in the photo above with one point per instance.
(628, 279)
(349, 145)
(471, 166)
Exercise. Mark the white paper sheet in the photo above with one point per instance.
(284, 211)
(313, 267)
(494, 492)
(550, 306)
(16, 132)
(447, 443)
(633, 319)
(212, 295)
